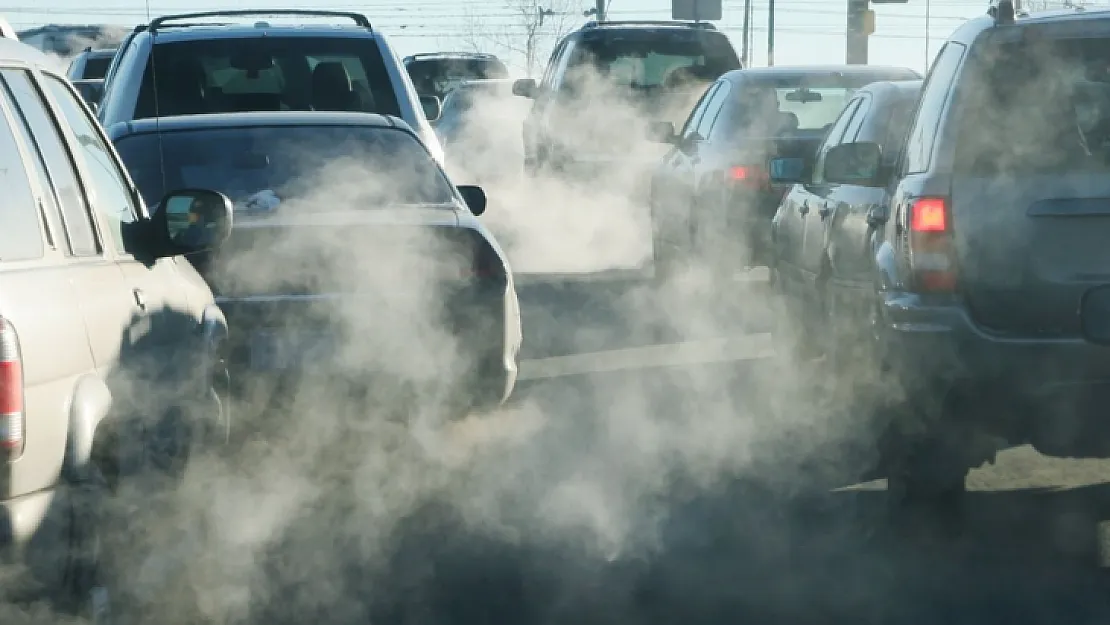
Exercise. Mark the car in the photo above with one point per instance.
(984, 313)
(108, 339)
(358, 202)
(710, 196)
(654, 68)
(822, 230)
(234, 67)
(479, 129)
(90, 64)
(437, 73)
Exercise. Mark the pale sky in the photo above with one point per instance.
(807, 31)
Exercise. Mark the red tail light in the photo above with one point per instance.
(931, 247)
(750, 176)
(11, 392)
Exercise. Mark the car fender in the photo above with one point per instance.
(887, 273)
(91, 404)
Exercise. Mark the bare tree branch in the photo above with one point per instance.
(530, 32)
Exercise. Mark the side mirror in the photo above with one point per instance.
(474, 197)
(787, 170)
(91, 91)
(662, 132)
(854, 163)
(188, 221)
(525, 88)
(432, 107)
(1094, 315)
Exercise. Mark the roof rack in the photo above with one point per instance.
(1002, 11)
(595, 23)
(166, 20)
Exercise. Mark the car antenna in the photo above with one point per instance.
(157, 107)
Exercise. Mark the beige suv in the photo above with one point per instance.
(110, 343)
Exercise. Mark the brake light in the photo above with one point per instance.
(931, 247)
(749, 176)
(11, 392)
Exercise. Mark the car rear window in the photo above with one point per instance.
(266, 74)
(1041, 106)
(369, 165)
(439, 77)
(812, 103)
(655, 58)
(96, 66)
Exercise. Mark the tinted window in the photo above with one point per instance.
(851, 133)
(1053, 116)
(56, 161)
(266, 74)
(919, 144)
(896, 126)
(439, 76)
(370, 166)
(96, 66)
(647, 59)
(112, 199)
(20, 226)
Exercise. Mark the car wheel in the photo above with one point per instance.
(791, 331)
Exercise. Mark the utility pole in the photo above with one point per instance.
(771, 33)
(856, 45)
(600, 10)
(744, 58)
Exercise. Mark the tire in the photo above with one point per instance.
(791, 333)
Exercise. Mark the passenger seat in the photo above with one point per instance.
(331, 88)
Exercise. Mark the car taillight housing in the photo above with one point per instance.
(11, 392)
(931, 248)
(750, 176)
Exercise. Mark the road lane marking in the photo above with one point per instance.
(747, 347)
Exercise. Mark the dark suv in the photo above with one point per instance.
(605, 81)
(987, 304)
(438, 73)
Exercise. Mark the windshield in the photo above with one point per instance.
(439, 77)
(276, 164)
(1036, 108)
(266, 74)
(96, 66)
(804, 103)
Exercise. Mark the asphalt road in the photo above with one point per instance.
(655, 471)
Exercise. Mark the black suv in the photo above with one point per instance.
(988, 303)
(603, 83)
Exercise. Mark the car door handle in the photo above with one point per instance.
(804, 207)
(825, 211)
(140, 298)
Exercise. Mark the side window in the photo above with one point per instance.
(549, 71)
(111, 194)
(716, 109)
(21, 234)
(47, 142)
(934, 94)
(833, 138)
(699, 110)
(559, 74)
(705, 124)
(851, 133)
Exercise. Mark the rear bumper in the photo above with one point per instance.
(482, 319)
(1015, 385)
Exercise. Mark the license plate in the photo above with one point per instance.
(272, 351)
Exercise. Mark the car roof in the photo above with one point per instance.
(254, 118)
(15, 50)
(170, 33)
(899, 88)
(800, 71)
